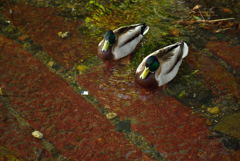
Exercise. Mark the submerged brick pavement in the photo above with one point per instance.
(45, 95)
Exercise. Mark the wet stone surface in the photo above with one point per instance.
(52, 81)
(229, 125)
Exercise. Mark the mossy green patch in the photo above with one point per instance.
(230, 125)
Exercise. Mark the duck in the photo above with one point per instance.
(161, 66)
(121, 42)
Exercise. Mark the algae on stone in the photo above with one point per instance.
(230, 125)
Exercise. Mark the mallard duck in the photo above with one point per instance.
(161, 66)
(121, 42)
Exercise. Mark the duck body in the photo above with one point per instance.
(121, 42)
(161, 66)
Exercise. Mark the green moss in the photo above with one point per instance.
(229, 125)
(142, 53)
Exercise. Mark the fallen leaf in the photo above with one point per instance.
(226, 29)
(230, 24)
(111, 115)
(217, 31)
(214, 110)
(107, 107)
(196, 7)
(197, 18)
(63, 35)
(50, 63)
(223, 23)
(226, 10)
(174, 31)
(22, 38)
(195, 71)
(207, 27)
(181, 94)
(220, 30)
(81, 67)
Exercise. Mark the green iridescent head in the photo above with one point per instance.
(109, 39)
(152, 63)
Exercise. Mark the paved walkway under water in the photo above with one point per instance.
(41, 89)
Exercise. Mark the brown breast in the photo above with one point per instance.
(148, 82)
(107, 55)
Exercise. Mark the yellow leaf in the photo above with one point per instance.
(81, 67)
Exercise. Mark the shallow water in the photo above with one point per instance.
(193, 117)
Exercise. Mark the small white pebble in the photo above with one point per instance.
(37, 134)
(63, 35)
(111, 115)
(50, 63)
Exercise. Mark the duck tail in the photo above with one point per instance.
(144, 29)
(185, 50)
(183, 47)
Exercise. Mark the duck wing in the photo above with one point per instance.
(170, 59)
(161, 54)
(126, 34)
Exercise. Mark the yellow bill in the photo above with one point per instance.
(105, 46)
(144, 73)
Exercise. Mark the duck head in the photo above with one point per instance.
(109, 39)
(152, 64)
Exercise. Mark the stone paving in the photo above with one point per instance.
(43, 77)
